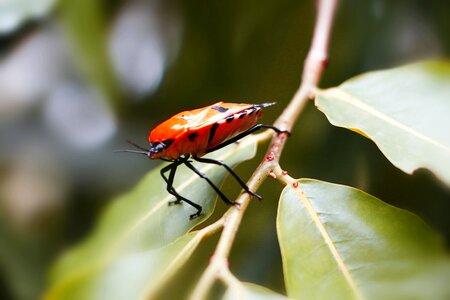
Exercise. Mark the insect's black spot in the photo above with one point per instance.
(219, 108)
(212, 132)
(242, 115)
(168, 142)
(229, 119)
(192, 136)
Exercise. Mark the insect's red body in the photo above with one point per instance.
(196, 131)
(190, 134)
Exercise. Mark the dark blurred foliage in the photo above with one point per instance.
(86, 75)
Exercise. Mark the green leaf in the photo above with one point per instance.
(140, 241)
(405, 111)
(88, 29)
(338, 242)
(15, 12)
(23, 258)
(250, 291)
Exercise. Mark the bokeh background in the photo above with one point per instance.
(78, 78)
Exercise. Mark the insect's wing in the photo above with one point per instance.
(194, 120)
(212, 114)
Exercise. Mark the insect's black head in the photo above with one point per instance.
(158, 147)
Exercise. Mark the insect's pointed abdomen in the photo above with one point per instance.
(262, 105)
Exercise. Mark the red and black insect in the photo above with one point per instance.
(194, 133)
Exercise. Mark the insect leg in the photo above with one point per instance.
(244, 134)
(218, 191)
(173, 168)
(230, 170)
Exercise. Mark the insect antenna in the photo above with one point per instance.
(144, 151)
(131, 151)
(137, 146)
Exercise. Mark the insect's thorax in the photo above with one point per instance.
(193, 132)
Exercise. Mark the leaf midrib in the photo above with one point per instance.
(344, 96)
(329, 242)
(113, 248)
(199, 235)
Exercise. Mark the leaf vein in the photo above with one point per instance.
(100, 263)
(329, 242)
(346, 97)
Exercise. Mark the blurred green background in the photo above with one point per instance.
(78, 78)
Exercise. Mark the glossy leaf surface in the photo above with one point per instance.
(338, 242)
(140, 240)
(405, 111)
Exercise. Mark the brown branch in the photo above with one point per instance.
(315, 63)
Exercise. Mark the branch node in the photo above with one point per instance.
(273, 175)
(270, 156)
